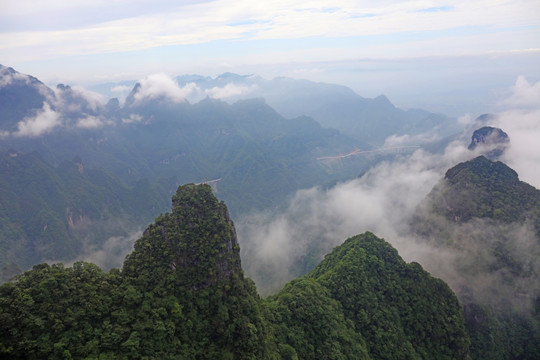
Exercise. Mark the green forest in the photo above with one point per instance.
(182, 294)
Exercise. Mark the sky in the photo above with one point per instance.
(447, 56)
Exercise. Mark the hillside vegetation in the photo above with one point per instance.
(182, 294)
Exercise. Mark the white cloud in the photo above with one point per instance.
(7, 77)
(43, 122)
(89, 99)
(381, 201)
(122, 89)
(523, 154)
(524, 94)
(90, 122)
(162, 86)
(207, 21)
(94, 100)
(133, 118)
(113, 252)
(465, 120)
(522, 124)
(229, 90)
(411, 140)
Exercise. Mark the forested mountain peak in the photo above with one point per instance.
(365, 283)
(492, 140)
(197, 240)
(486, 223)
(479, 169)
(483, 188)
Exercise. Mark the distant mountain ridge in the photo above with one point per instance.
(333, 106)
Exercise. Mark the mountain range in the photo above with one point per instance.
(252, 155)
(77, 174)
(366, 120)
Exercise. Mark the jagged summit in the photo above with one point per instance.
(20, 96)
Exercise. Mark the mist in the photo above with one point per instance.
(113, 252)
(275, 246)
(381, 201)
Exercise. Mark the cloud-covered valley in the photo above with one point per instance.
(383, 201)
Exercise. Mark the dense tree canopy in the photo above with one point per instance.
(181, 294)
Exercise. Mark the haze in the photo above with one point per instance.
(453, 57)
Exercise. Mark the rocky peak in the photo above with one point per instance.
(492, 141)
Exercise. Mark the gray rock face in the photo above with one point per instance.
(492, 142)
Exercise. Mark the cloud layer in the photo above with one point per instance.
(162, 86)
(523, 127)
(383, 201)
(66, 28)
(43, 122)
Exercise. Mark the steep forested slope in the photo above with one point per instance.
(396, 308)
(181, 294)
(57, 213)
(487, 223)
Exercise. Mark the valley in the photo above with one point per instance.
(387, 233)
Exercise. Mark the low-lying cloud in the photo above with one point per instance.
(381, 201)
(90, 122)
(276, 246)
(523, 127)
(133, 118)
(7, 77)
(408, 140)
(230, 90)
(113, 252)
(524, 94)
(162, 86)
(43, 122)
